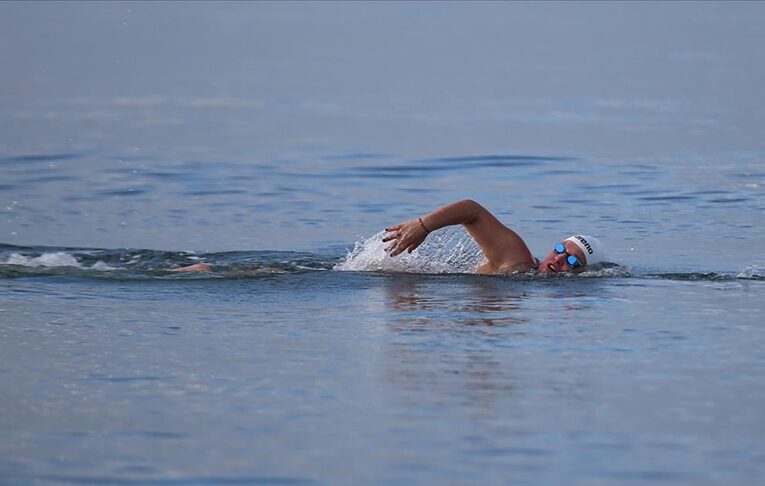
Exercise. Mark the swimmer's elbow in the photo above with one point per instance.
(473, 209)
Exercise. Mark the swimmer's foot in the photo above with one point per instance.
(197, 267)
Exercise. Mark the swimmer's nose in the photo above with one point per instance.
(560, 261)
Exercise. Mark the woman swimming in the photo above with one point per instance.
(504, 249)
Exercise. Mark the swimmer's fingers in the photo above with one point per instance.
(396, 243)
(412, 247)
(397, 251)
(393, 233)
(396, 247)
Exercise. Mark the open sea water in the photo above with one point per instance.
(274, 141)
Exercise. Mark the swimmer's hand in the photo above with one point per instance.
(405, 236)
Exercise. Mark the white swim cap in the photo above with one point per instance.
(590, 246)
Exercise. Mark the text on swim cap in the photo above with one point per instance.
(584, 242)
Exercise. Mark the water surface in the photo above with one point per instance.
(275, 141)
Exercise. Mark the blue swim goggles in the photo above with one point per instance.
(572, 260)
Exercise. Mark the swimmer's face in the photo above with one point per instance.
(556, 262)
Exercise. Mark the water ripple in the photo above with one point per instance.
(39, 158)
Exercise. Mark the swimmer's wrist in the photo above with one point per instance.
(427, 231)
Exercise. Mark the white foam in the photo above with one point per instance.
(448, 251)
(54, 259)
(752, 271)
(99, 265)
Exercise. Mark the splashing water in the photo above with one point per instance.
(448, 251)
(53, 259)
(752, 272)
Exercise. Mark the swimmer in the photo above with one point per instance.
(504, 250)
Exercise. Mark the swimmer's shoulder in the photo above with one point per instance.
(518, 268)
(487, 268)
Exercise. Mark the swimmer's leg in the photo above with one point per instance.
(197, 267)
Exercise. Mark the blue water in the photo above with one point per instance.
(275, 141)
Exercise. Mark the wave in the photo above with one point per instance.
(120, 264)
(446, 252)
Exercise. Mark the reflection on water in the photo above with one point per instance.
(414, 295)
(444, 341)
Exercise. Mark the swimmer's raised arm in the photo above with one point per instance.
(502, 247)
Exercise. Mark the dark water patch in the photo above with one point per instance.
(175, 480)
(631, 221)
(49, 178)
(221, 192)
(8, 248)
(556, 172)
(387, 175)
(25, 291)
(417, 190)
(357, 156)
(505, 158)
(130, 191)
(706, 277)
(151, 434)
(605, 187)
(164, 175)
(21, 159)
(579, 201)
(206, 166)
(667, 198)
(510, 451)
(127, 379)
(8, 187)
(461, 163)
(641, 168)
(355, 173)
(129, 171)
(372, 208)
(730, 200)
(709, 192)
(641, 192)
